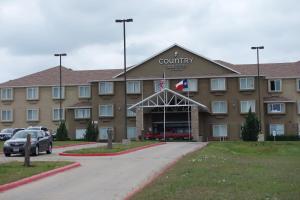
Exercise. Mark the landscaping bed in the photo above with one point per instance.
(14, 171)
(232, 170)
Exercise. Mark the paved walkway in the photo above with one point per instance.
(107, 178)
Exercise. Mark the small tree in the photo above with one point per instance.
(62, 132)
(91, 133)
(251, 128)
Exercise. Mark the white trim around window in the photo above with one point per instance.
(106, 110)
(274, 108)
(32, 114)
(133, 87)
(56, 93)
(84, 91)
(219, 107)
(275, 85)
(7, 94)
(245, 105)
(82, 113)
(106, 88)
(32, 93)
(276, 129)
(55, 114)
(247, 83)
(219, 130)
(218, 84)
(298, 84)
(7, 115)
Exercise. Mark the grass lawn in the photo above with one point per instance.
(116, 148)
(14, 171)
(69, 142)
(232, 170)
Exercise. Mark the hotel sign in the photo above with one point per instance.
(175, 63)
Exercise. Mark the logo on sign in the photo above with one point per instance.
(175, 63)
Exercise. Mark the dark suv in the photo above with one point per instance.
(39, 142)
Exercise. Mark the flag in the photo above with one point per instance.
(183, 84)
(162, 83)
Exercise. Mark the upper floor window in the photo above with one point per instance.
(6, 115)
(219, 107)
(129, 112)
(106, 87)
(218, 84)
(298, 108)
(6, 94)
(56, 93)
(247, 83)
(275, 85)
(160, 85)
(56, 115)
(298, 84)
(246, 105)
(106, 110)
(133, 87)
(219, 130)
(276, 129)
(33, 114)
(192, 85)
(82, 113)
(84, 91)
(276, 108)
(32, 93)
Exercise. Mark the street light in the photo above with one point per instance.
(60, 99)
(258, 82)
(125, 81)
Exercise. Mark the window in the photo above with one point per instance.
(103, 133)
(80, 133)
(6, 94)
(129, 112)
(33, 114)
(56, 93)
(246, 105)
(6, 115)
(159, 85)
(131, 132)
(298, 107)
(56, 114)
(84, 91)
(276, 129)
(133, 87)
(247, 83)
(82, 113)
(275, 85)
(106, 110)
(298, 85)
(106, 87)
(217, 84)
(219, 107)
(32, 93)
(219, 130)
(192, 85)
(276, 108)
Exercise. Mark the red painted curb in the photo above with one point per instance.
(112, 154)
(72, 145)
(156, 175)
(36, 177)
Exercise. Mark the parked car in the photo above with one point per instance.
(7, 133)
(39, 142)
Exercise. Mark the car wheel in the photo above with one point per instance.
(7, 154)
(36, 151)
(49, 151)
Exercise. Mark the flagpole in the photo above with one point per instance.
(189, 114)
(164, 107)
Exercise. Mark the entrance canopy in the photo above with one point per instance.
(167, 98)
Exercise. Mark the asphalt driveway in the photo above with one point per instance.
(102, 177)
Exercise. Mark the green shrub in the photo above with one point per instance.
(62, 132)
(251, 128)
(91, 133)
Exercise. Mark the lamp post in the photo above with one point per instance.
(125, 81)
(257, 48)
(60, 99)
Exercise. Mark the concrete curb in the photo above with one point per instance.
(36, 177)
(113, 154)
(157, 174)
(73, 145)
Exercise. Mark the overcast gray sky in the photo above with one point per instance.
(33, 30)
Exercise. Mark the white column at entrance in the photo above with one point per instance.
(195, 122)
(139, 121)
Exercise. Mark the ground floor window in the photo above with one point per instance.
(131, 132)
(103, 133)
(220, 130)
(80, 133)
(276, 129)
